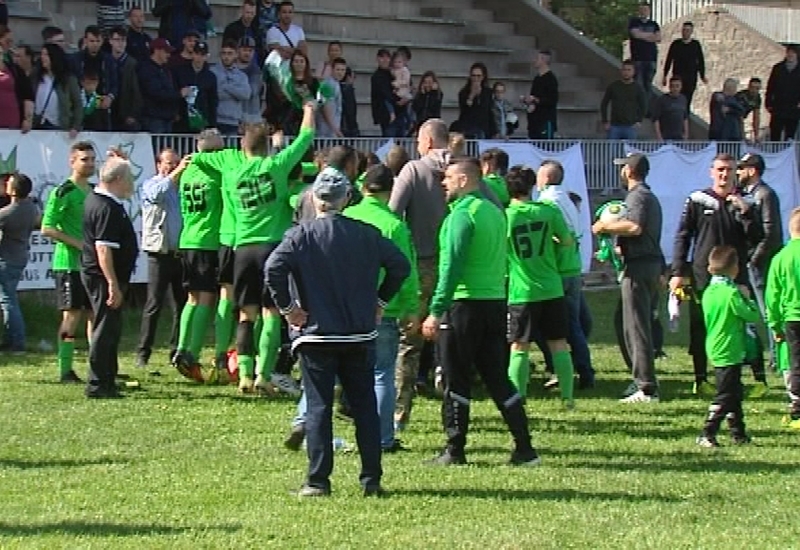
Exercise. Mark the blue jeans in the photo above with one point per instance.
(14, 335)
(622, 132)
(581, 357)
(228, 129)
(156, 125)
(386, 347)
(645, 71)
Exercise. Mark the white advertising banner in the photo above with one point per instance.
(44, 157)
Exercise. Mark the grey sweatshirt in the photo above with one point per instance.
(233, 90)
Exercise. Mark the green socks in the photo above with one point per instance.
(187, 318)
(562, 364)
(246, 365)
(202, 314)
(269, 342)
(519, 371)
(66, 349)
(223, 327)
(258, 326)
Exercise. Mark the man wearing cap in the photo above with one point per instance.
(767, 205)
(184, 57)
(639, 238)
(333, 322)
(161, 99)
(404, 307)
(782, 98)
(247, 26)
(202, 113)
(233, 90)
(247, 61)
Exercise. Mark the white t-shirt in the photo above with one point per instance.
(48, 108)
(295, 34)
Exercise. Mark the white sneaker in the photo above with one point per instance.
(639, 397)
(285, 384)
(438, 379)
(630, 390)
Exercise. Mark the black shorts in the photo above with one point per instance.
(71, 292)
(200, 270)
(549, 318)
(248, 275)
(225, 259)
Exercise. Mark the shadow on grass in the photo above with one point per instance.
(715, 461)
(57, 463)
(533, 494)
(101, 529)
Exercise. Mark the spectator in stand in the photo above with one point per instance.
(138, 43)
(54, 35)
(16, 95)
(161, 98)
(247, 26)
(325, 68)
(782, 99)
(329, 117)
(17, 221)
(288, 115)
(23, 58)
(91, 59)
(542, 101)
(670, 114)
(127, 111)
(503, 112)
(751, 99)
(645, 34)
(7, 43)
(685, 59)
(178, 17)
(198, 74)
(427, 102)
(349, 105)
(726, 119)
(3, 13)
(381, 96)
(58, 97)
(94, 119)
(267, 17)
(475, 118)
(245, 54)
(110, 14)
(628, 105)
(286, 36)
(184, 57)
(233, 90)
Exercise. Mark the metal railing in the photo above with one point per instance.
(601, 175)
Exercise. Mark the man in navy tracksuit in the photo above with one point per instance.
(333, 307)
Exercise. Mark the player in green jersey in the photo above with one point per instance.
(468, 313)
(63, 223)
(494, 163)
(260, 193)
(201, 209)
(536, 231)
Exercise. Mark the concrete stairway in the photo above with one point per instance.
(446, 37)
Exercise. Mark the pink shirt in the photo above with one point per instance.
(9, 106)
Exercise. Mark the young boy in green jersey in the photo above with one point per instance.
(494, 163)
(782, 299)
(63, 223)
(536, 301)
(727, 307)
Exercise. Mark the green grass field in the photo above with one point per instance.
(180, 466)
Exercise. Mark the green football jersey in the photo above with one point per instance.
(64, 212)
(260, 193)
(201, 208)
(725, 312)
(497, 184)
(533, 274)
(225, 163)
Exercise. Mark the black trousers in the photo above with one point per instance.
(727, 403)
(285, 359)
(473, 334)
(639, 293)
(688, 86)
(656, 327)
(354, 364)
(107, 331)
(782, 128)
(164, 273)
(792, 335)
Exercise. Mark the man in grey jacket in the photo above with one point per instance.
(251, 110)
(418, 197)
(233, 90)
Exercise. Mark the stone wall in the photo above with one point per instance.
(732, 50)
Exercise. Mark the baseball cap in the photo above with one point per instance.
(751, 160)
(247, 42)
(330, 185)
(378, 179)
(192, 32)
(201, 47)
(637, 162)
(161, 44)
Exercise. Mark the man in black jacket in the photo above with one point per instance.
(162, 99)
(381, 96)
(782, 99)
(199, 75)
(247, 25)
(542, 102)
(333, 321)
(711, 217)
(138, 46)
(750, 170)
(92, 60)
(127, 109)
(685, 59)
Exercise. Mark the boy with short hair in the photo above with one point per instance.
(727, 307)
(782, 297)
